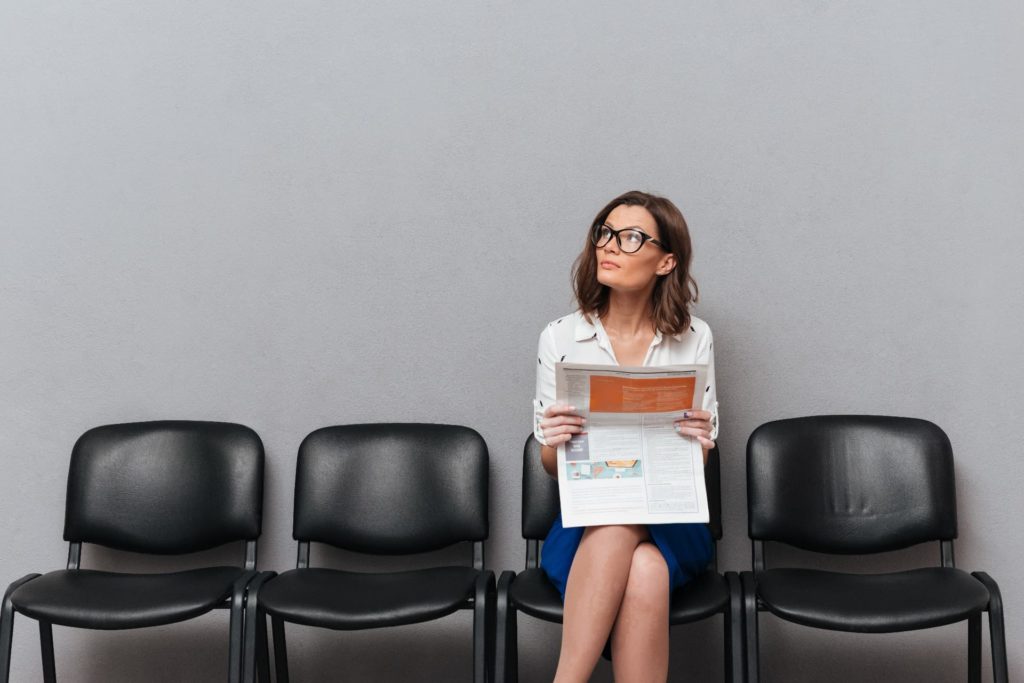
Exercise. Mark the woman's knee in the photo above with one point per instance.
(648, 573)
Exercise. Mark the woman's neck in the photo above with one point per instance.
(628, 313)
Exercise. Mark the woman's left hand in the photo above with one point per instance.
(696, 423)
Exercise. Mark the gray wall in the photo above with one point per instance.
(297, 214)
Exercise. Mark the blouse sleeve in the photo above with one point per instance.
(545, 394)
(706, 354)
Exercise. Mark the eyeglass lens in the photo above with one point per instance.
(629, 240)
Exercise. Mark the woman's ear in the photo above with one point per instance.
(666, 265)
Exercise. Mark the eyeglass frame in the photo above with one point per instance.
(618, 240)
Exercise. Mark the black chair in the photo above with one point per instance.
(163, 488)
(855, 485)
(532, 593)
(383, 489)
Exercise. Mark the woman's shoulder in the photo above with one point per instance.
(697, 336)
(569, 320)
(699, 327)
(562, 332)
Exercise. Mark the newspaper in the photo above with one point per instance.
(630, 466)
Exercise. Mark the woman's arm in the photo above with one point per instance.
(549, 459)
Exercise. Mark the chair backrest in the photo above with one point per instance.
(850, 484)
(165, 487)
(391, 489)
(540, 493)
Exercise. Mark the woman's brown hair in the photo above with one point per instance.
(673, 293)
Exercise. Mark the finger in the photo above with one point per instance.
(696, 415)
(555, 441)
(561, 420)
(559, 409)
(563, 429)
(706, 443)
(700, 424)
(690, 431)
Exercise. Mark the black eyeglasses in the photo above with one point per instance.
(629, 239)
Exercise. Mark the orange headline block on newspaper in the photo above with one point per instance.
(656, 395)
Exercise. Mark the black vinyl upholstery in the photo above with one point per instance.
(856, 484)
(391, 488)
(532, 593)
(164, 487)
(345, 600)
(383, 489)
(111, 600)
(872, 603)
(878, 483)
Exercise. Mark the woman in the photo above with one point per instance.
(633, 286)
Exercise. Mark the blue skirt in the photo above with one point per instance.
(685, 547)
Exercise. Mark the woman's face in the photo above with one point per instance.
(637, 271)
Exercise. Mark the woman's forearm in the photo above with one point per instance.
(549, 459)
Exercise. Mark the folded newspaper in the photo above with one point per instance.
(630, 466)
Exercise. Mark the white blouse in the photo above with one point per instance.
(571, 339)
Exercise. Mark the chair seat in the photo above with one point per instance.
(532, 593)
(332, 598)
(87, 598)
(705, 595)
(872, 603)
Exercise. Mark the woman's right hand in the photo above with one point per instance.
(560, 423)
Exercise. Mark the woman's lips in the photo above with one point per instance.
(608, 265)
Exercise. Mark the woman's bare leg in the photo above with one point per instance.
(640, 634)
(593, 593)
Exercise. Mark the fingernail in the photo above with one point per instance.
(678, 428)
(686, 414)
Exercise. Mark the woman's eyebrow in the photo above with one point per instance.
(628, 227)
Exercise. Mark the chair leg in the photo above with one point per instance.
(46, 649)
(252, 623)
(262, 653)
(280, 650)
(7, 627)
(6, 635)
(750, 627)
(974, 648)
(237, 628)
(491, 602)
(513, 649)
(996, 632)
(483, 606)
(505, 639)
(734, 630)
